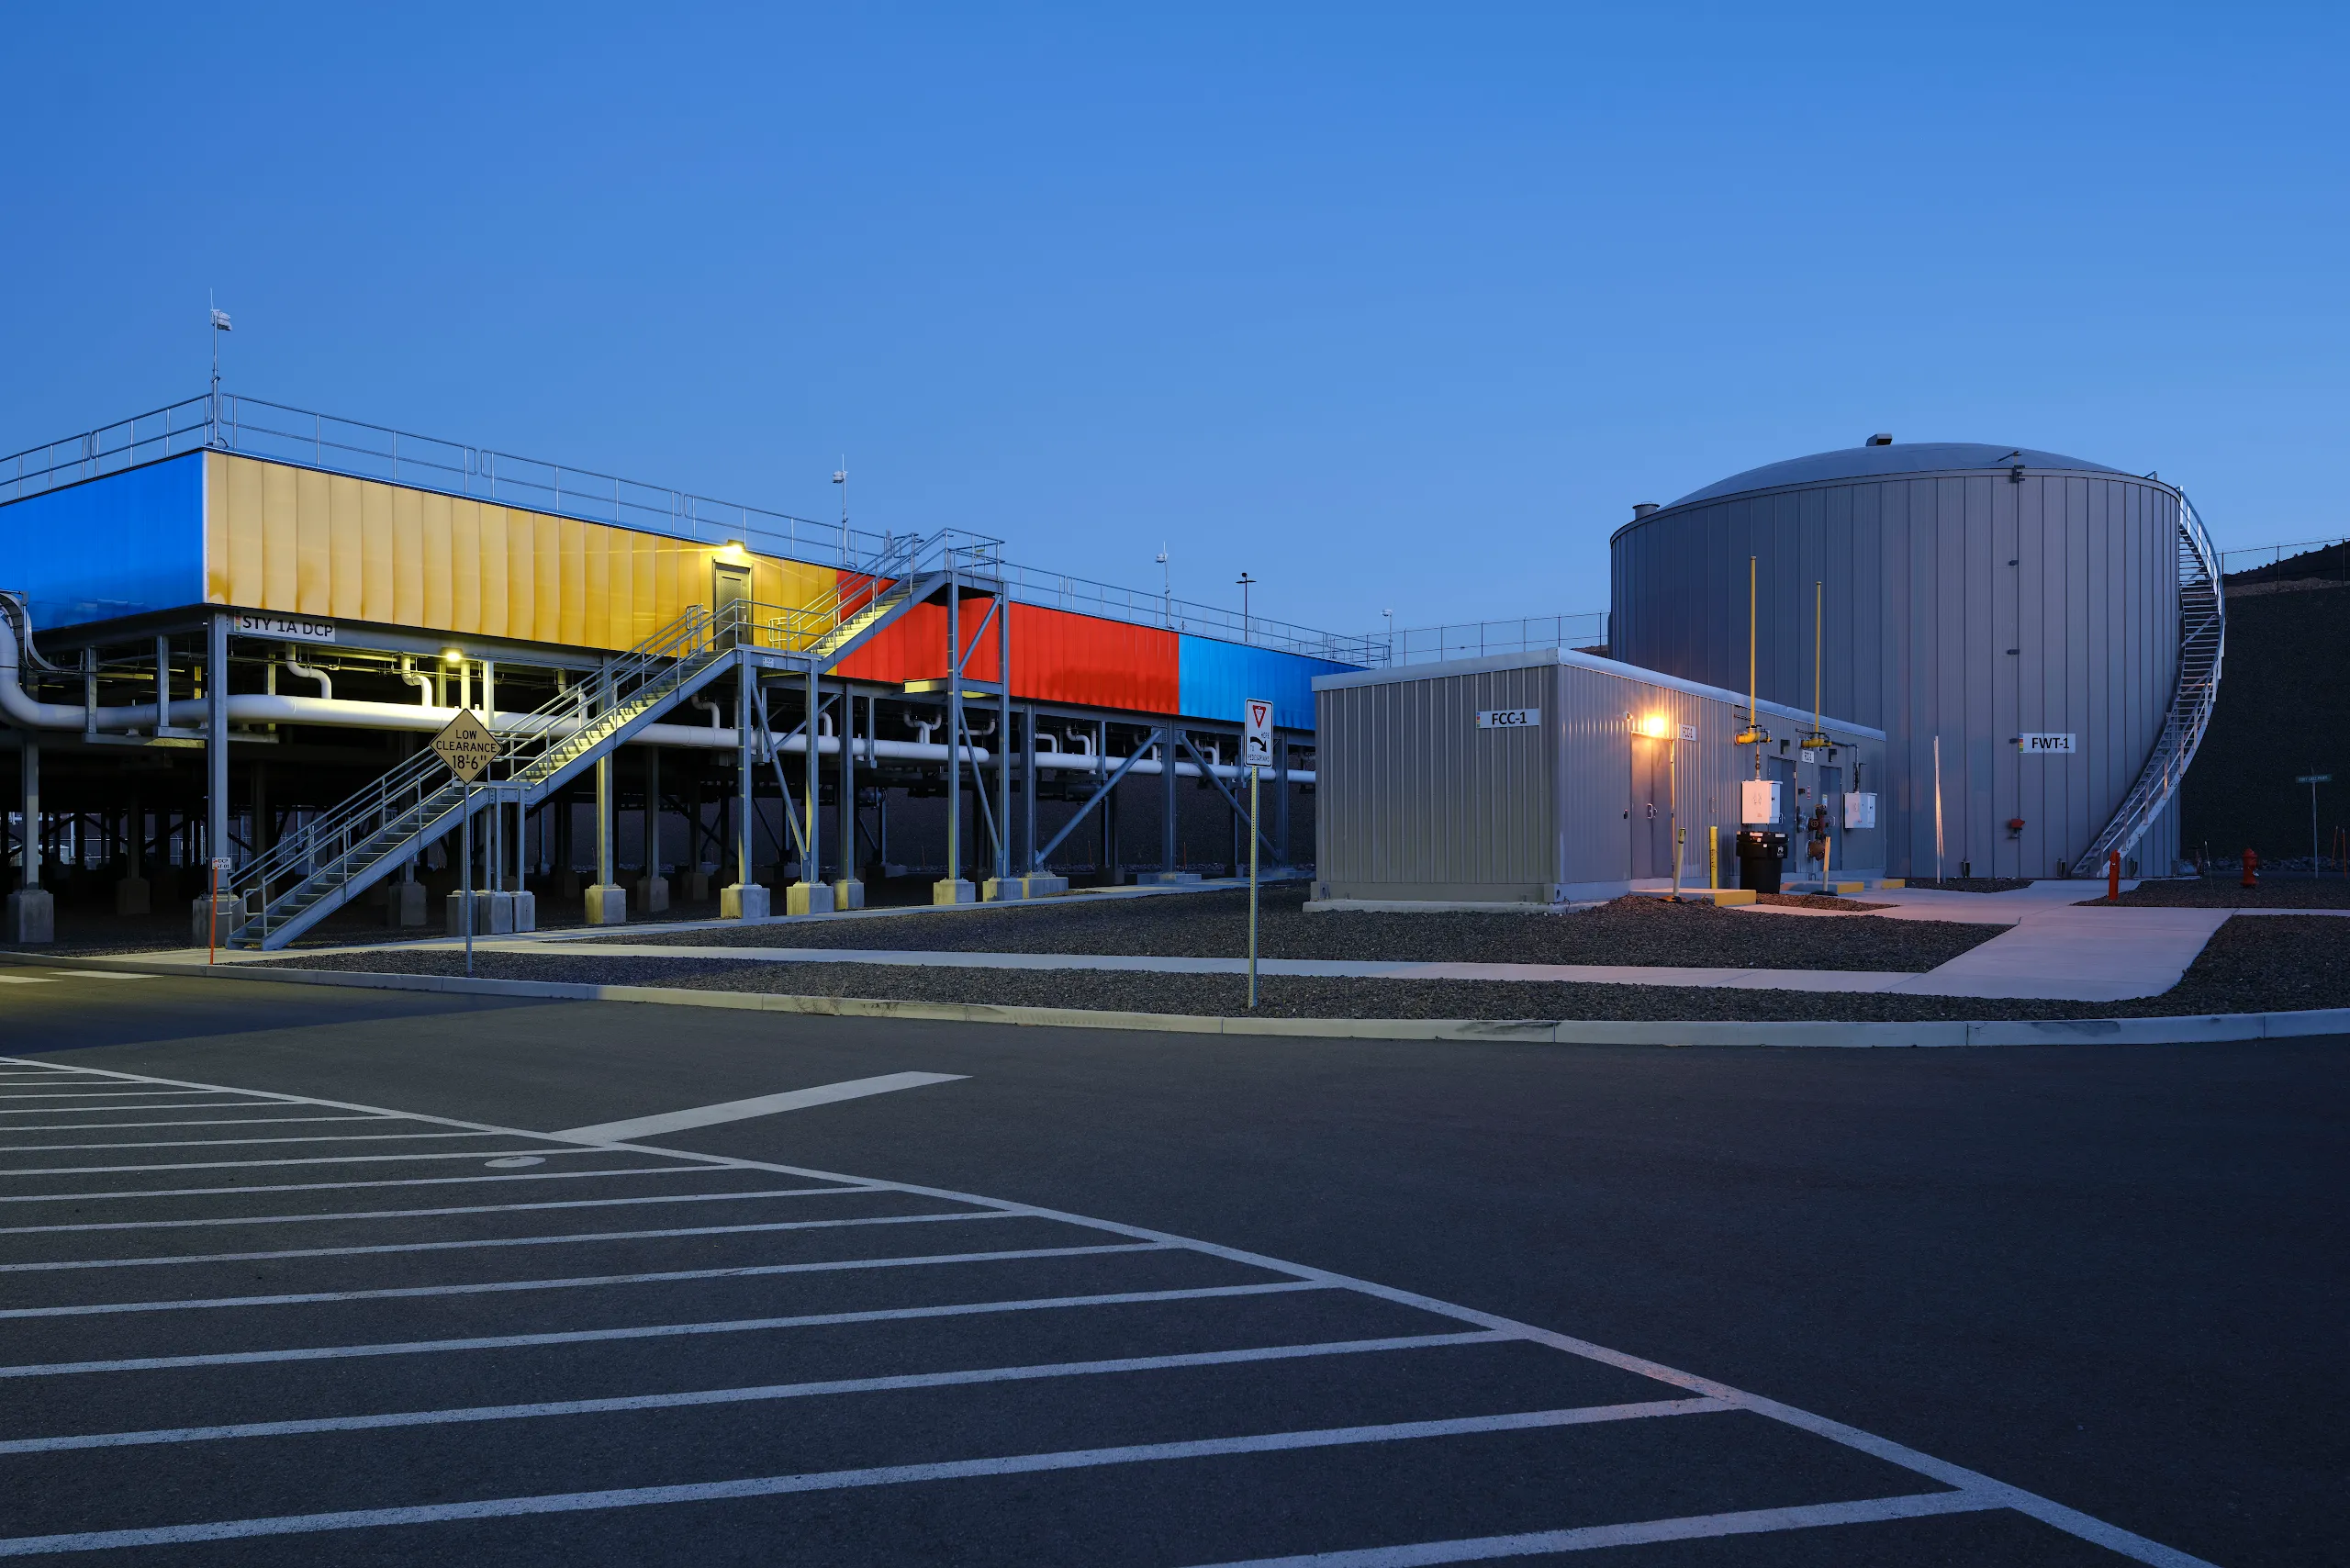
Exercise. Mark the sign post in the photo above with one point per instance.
(212, 906)
(1257, 752)
(468, 746)
(2313, 780)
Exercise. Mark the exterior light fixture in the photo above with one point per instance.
(453, 656)
(1656, 726)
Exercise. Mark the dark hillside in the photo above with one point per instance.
(2284, 710)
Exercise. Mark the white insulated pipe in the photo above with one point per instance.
(254, 708)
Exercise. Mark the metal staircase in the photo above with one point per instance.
(316, 870)
(330, 860)
(2202, 639)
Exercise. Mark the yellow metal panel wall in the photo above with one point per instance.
(378, 583)
(300, 542)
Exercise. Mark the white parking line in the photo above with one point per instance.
(656, 1330)
(117, 1110)
(26, 979)
(112, 1093)
(767, 1392)
(758, 1105)
(254, 1192)
(271, 1164)
(838, 1480)
(209, 1122)
(1591, 1538)
(324, 1216)
(585, 1282)
(101, 974)
(221, 1142)
(474, 1242)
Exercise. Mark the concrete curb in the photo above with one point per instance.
(2183, 1029)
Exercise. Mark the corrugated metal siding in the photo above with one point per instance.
(1219, 678)
(1057, 656)
(303, 543)
(1414, 801)
(119, 545)
(1922, 608)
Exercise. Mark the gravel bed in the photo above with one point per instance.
(1215, 924)
(2227, 892)
(1969, 884)
(1818, 901)
(2272, 964)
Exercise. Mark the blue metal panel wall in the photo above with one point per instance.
(119, 545)
(1217, 677)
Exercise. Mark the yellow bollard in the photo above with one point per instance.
(1714, 858)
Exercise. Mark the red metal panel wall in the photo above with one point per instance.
(1057, 656)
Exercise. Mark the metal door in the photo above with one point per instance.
(730, 601)
(1652, 812)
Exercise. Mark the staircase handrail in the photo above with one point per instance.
(2202, 645)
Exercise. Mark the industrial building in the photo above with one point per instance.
(233, 627)
(1552, 777)
(2038, 636)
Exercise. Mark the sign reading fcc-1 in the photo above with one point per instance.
(1509, 717)
(2045, 746)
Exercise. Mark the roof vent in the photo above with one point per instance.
(1641, 510)
(1880, 440)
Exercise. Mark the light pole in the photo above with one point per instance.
(840, 477)
(1166, 586)
(1246, 582)
(1391, 635)
(219, 325)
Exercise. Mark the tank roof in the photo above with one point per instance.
(1889, 462)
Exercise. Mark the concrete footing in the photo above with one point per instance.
(1166, 878)
(31, 917)
(404, 904)
(131, 896)
(808, 897)
(743, 900)
(652, 895)
(1002, 889)
(848, 893)
(215, 918)
(1043, 885)
(526, 912)
(955, 890)
(493, 913)
(696, 886)
(606, 904)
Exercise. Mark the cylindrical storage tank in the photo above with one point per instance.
(1969, 598)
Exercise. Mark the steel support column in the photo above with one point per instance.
(216, 736)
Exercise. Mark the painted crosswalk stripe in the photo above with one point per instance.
(687, 1399)
(472, 1243)
(585, 1282)
(654, 1330)
(838, 1480)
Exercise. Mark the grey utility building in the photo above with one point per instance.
(1545, 777)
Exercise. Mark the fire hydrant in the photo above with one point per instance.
(2251, 868)
(2113, 876)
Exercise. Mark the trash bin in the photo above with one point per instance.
(1759, 857)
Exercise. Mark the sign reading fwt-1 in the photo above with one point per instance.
(2045, 746)
(1509, 717)
(466, 746)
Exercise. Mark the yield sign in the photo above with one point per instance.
(1257, 736)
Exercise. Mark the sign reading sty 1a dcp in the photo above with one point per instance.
(2045, 746)
(1257, 734)
(466, 746)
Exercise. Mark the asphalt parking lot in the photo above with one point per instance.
(1059, 1297)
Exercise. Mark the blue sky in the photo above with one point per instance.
(1392, 307)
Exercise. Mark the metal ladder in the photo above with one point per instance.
(315, 871)
(2202, 639)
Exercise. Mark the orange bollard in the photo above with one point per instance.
(2113, 876)
(2251, 868)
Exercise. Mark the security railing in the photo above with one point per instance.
(2310, 558)
(1477, 639)
(233, 422)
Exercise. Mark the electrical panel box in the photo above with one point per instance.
(1860, 811)
(1758, 800)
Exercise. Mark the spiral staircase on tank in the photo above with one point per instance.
(2202, 638)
